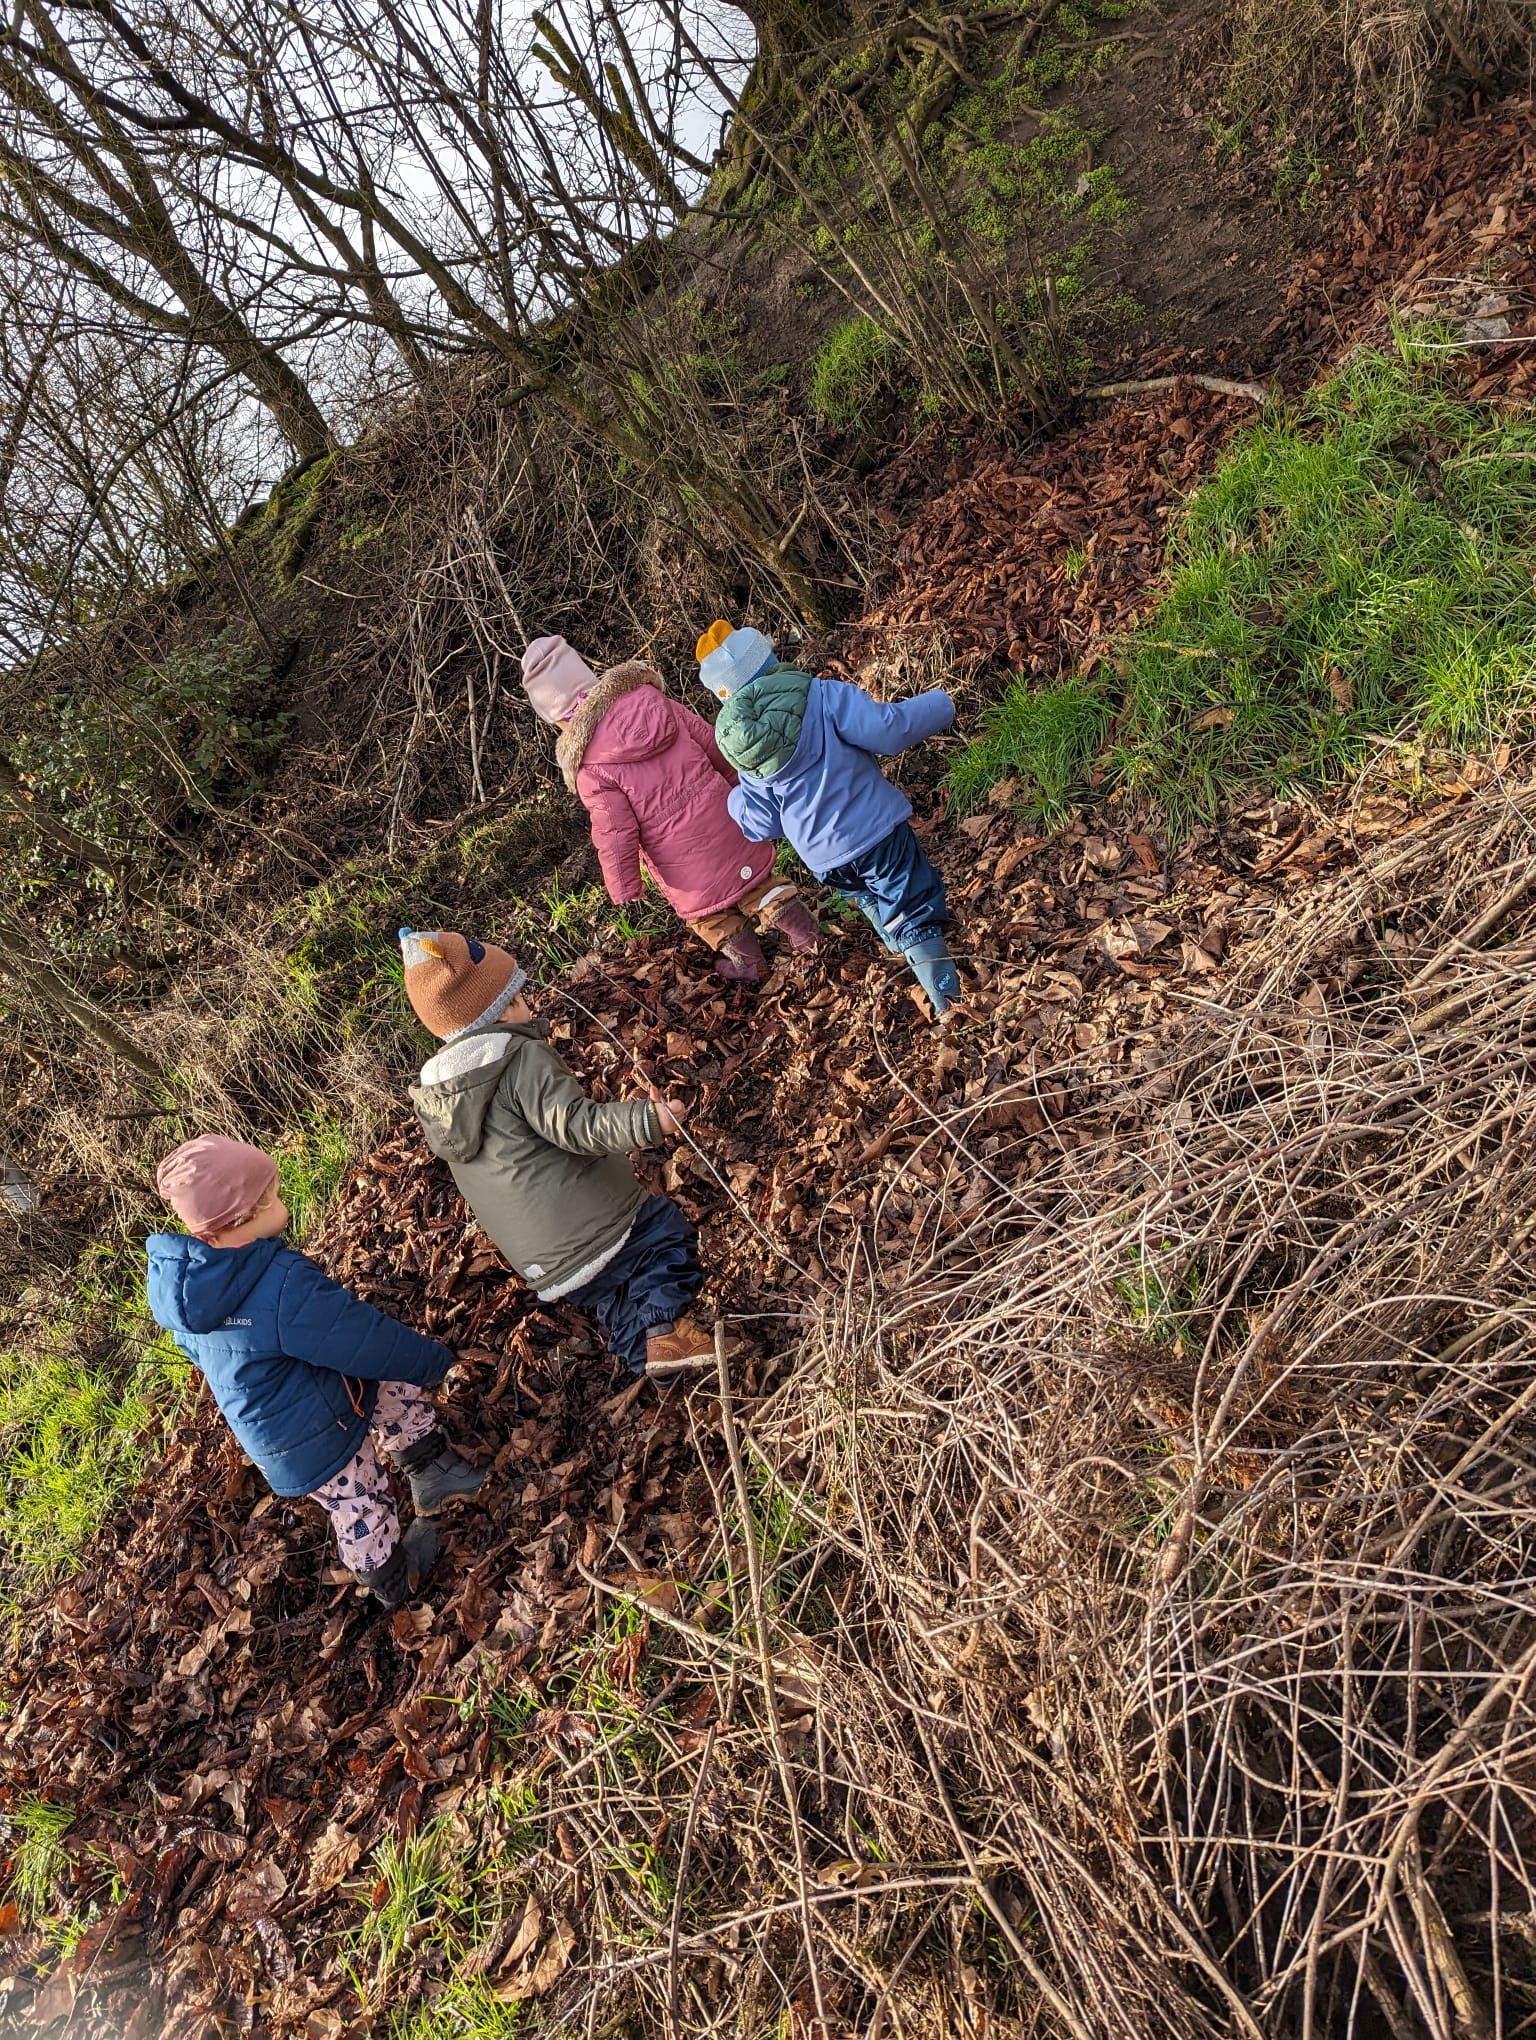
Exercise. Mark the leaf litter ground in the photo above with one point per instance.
(238, 1730)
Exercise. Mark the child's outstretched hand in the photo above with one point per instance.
(669, 1114)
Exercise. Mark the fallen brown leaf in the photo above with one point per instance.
(256, 1892)
(333, 1857)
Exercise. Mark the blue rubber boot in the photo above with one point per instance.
(871, 912)
(936, 973)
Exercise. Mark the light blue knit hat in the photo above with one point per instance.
(735, 659)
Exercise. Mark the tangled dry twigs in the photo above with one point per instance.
(1150, 1574)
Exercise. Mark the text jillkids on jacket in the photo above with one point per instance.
(805, 753)
(653, 781)
(543, 1167)
(314, 1383)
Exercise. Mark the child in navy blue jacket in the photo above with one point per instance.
(805, 753)
(301, 1368)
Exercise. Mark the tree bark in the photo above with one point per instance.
(27, 963)
(79, 849)
(789, 29)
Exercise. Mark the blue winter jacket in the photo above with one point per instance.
(293, 1359)
(831, 801)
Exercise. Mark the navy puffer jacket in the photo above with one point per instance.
(293, 1359)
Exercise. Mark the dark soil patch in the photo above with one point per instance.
(1209, 252)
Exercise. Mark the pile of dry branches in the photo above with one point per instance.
(1135, 1632)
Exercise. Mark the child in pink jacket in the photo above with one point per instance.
(650, 775)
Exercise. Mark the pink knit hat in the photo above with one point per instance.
(211, 1182)
(555, 678)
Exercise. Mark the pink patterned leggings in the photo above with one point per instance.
(358, 1499)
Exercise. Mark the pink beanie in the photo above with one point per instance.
(555, 677)
(211, 1182)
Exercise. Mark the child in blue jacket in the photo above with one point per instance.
(805, 754)
(302, 1369)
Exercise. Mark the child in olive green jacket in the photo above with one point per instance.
(543, 1167)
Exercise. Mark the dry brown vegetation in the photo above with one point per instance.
(1394, 57)
(1115, 1618)
(1114, 1621)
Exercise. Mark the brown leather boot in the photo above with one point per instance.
(685, 1349)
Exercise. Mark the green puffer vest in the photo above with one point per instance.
(759, 727)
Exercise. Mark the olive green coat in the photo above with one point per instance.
(542, 1166)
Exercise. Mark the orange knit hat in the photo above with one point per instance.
(715, 636)
(454, 983)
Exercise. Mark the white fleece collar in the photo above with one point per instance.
(458, 1058)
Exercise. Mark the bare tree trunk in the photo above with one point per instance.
(79, 849)
(27, 963)
(281, 388)
(795, 28)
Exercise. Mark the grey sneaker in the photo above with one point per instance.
(438, 1475)
(394, 1582)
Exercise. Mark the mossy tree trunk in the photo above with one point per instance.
(789, 30)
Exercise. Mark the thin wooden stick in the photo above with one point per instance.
(682, 1881)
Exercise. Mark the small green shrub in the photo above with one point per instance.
(1104, 201)
(193, 729)
(853, 368)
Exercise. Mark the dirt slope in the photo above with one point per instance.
(237, 1729)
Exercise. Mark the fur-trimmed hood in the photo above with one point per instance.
(650, 774)
(578, 734)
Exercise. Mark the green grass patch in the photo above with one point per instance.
(310, 1165)
(1045, 738)
(853, 369)
(438, 1894)
(39, 1860)
(1356, 564)
(80, 1411)
(1360, 564)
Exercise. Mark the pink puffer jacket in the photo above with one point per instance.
(650, 775)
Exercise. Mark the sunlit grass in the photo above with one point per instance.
(1360, 564)
(80, 1411)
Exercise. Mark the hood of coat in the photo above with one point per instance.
(759, 727)
(639, 733)
(457, 1085)
(193, 1287)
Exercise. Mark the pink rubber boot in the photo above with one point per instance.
(741, 960)
(799, 926)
